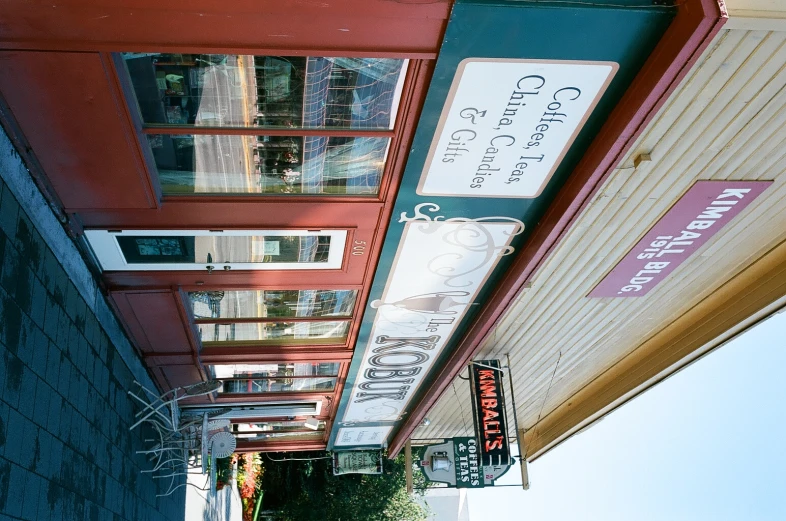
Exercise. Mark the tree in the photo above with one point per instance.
(308, 491)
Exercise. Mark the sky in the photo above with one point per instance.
(708, 443)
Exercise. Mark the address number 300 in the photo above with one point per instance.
(359, 248)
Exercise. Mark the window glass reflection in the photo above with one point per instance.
(273, 378)
(277, 385)
(272, 303)
(275, 333)
(266, 91)
(277, 430)
(221, 164)
(206, 249)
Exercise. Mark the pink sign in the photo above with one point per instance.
(704, 209)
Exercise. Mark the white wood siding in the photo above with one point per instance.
(727, 121)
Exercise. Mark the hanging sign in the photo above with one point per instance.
(357, 462)
(700, 213)
(457, 464)
(488, 404)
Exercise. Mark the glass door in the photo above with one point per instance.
(142, 250)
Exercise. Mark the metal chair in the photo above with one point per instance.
(220, 445)
(154, 404)
(186, 449)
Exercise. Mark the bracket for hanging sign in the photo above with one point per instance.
(476, 363)
(519, 433)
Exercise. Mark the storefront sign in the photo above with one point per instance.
(357, 462)
(488, 404)
(457, 464)
(507, 124)
(359, 436)
(704, 209)
(507, 117)
(438, 270)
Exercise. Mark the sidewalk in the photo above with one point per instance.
(222, 505)
(65, 366)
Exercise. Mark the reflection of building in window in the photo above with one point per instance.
(261, 248)
(272, 378)
(268, 333)
(273, 303)
(354, 93)
(273, 92)
(277, 430)
(279, 88)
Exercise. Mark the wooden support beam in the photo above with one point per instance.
(408, 465)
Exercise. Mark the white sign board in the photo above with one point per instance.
(354, 436)
(439, 268)
(507, 124)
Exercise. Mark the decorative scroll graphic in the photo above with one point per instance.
(440, 267)
(433, 303)
(469, 236)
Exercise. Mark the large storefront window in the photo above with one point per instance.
(277, 431)
(224, 249)
(276, 378)
(229, 164)
(353, 100)
(272, 303)
(219, 90)
(274, 333)
(273, 317)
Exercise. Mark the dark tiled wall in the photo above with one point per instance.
(65, 449)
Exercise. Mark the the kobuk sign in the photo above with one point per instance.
(488, 403)
(704, 209)
(440, 267)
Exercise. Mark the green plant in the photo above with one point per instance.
(223, 472)
(308, 491)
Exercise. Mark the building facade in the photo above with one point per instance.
(328, 206)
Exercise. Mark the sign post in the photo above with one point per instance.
(523, 460)
(408, 466)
